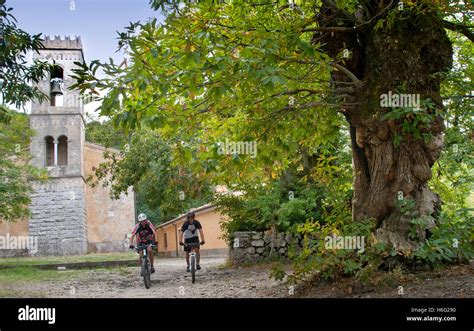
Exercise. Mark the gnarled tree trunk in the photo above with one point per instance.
(409, 54)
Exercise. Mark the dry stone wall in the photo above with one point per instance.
(251, 247)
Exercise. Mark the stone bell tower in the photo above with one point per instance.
(58, 207)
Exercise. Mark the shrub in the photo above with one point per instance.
(276, 206)
(452, 241)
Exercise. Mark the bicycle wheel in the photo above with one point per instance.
(193, 268)
(146, 273)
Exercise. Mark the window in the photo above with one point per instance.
(62, 151)
(49, 142)
(165, 241)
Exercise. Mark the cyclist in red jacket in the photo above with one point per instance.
(146, 234)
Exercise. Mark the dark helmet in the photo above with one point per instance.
(190, 215)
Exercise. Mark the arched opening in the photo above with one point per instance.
(56, 87)
(62, 151)
(49, 155)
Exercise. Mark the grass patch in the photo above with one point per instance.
(122, 271)
(94, 257)
(19, 282)
(26, 274)
(226, 265)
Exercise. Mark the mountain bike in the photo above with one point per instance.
(145, 263)
(192, 259)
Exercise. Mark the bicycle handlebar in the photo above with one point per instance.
(191, 244)
(142, 247)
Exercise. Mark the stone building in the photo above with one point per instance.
(67, 215)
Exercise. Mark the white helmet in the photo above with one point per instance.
(141, 217)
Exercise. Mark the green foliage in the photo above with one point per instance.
(16, 89)
(294, 211)
(164, 189)
(452, 241)
(15, 173)
(414, 123)
(252, 212)
(316, 261)
(417, 226)
(16, 75)
(405, 206)
(268, 206)
(222, 71)
(315, 186)
(105, 134)
(277, 273)
(453, 173)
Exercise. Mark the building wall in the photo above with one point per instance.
(58, 215)
(19, 229)
(108, 221)
(210, 220)
(171, 239)
(59, 208)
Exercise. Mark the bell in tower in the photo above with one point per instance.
(56, 86)
(56, 89)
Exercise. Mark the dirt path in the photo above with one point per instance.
(452, 282)
(170, 281)
(215, 281)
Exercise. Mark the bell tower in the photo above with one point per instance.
(58, 208)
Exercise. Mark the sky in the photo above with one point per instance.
(95, 21)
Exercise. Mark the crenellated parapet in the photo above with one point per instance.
(58, 43)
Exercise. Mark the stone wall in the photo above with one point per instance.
(251, 247)
(109, 221)
(58, 216)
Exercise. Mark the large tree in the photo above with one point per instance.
(16, 74)
(17, 78)
(288, 75)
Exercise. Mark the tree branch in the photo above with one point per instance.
(292, 92)
(463, 29)
(339, 67)
(348, 73)
(331, 29)
(357, 28)
(378, 16)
